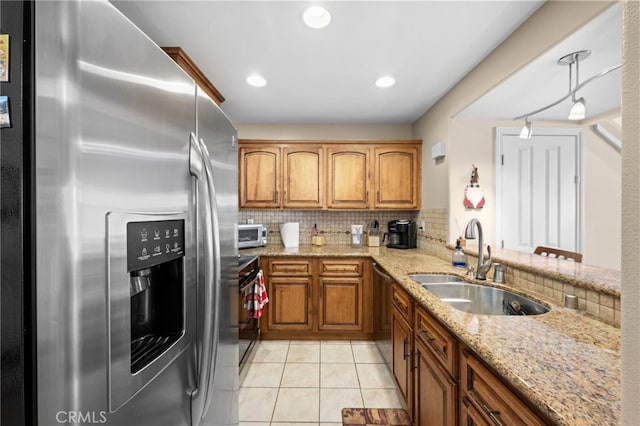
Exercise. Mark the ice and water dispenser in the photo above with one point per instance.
(150, 294)
(154, 263)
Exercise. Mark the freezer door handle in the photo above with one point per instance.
(204, 228)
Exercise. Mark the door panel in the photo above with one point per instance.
(290, 303)
(112, 135)
(538, 185)
(348, 166)
(396, 176)
(341, 304)
(219, 135)
(303, 174)
(259, 177)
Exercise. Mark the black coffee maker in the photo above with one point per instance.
(403, 234)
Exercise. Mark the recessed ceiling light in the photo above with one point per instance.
(256, 81)
(385, 81)
(316, 17)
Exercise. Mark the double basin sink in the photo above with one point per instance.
(477, 299)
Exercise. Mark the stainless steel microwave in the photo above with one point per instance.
(252, 235)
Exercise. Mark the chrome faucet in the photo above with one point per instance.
(470, 234)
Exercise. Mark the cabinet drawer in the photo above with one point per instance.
(402, 303)
(441, 343)
(496, 403)
(289, 267)
(343, 268)
(469, 415)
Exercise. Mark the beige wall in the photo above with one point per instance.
(602, 203)
(631, 214)
(471, 142)
(324, 131)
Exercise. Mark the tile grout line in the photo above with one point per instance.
(273, 412)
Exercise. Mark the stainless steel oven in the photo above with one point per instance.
(248, 322)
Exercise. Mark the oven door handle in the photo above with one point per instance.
(248, 279)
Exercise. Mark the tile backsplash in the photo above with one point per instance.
(334, 225)
(434, 238)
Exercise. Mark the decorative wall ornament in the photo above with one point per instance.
(4, 57)
(473, 196)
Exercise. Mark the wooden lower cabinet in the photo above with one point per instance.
(317, 298)
(469, 414)
(434, 390)
(402, 344)
(289, 303)
(489, 398)
(441, 383)
(341, 307)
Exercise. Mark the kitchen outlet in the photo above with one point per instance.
(421, 226)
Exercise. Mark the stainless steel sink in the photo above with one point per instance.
(435, 278)
(484, 300)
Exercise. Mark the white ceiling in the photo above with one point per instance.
(327, 75)
(543, 81)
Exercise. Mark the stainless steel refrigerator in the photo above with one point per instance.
(119, 215)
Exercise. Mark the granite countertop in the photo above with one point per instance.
(565, 362)
(603, 280)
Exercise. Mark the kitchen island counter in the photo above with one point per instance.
(564, 362)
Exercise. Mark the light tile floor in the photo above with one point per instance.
(289, 383)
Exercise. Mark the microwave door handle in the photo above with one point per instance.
(203, 228)
(217, 274)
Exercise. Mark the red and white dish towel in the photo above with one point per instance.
(256, 297)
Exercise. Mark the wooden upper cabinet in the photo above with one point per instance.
(303, 174)
(259, 181)
(397, 177)
(346, 175)
(184, 61)
(348, 178)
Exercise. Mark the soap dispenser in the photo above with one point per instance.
(459, 259)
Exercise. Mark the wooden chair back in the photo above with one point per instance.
(558, 253)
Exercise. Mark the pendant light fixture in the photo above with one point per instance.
(527, 129)
(578, 110)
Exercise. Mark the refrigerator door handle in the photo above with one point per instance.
(217, 276)
(197, 168)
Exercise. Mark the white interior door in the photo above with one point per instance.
(538, 189)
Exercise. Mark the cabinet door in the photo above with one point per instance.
(259, 185)
(491, 397)
(303, 177)
(397, 178)
(402, 341)
(347, 178)
(341, 304)
(289, 305)
(442, 344)
(434, 391)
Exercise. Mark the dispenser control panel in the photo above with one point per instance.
(152, 243)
